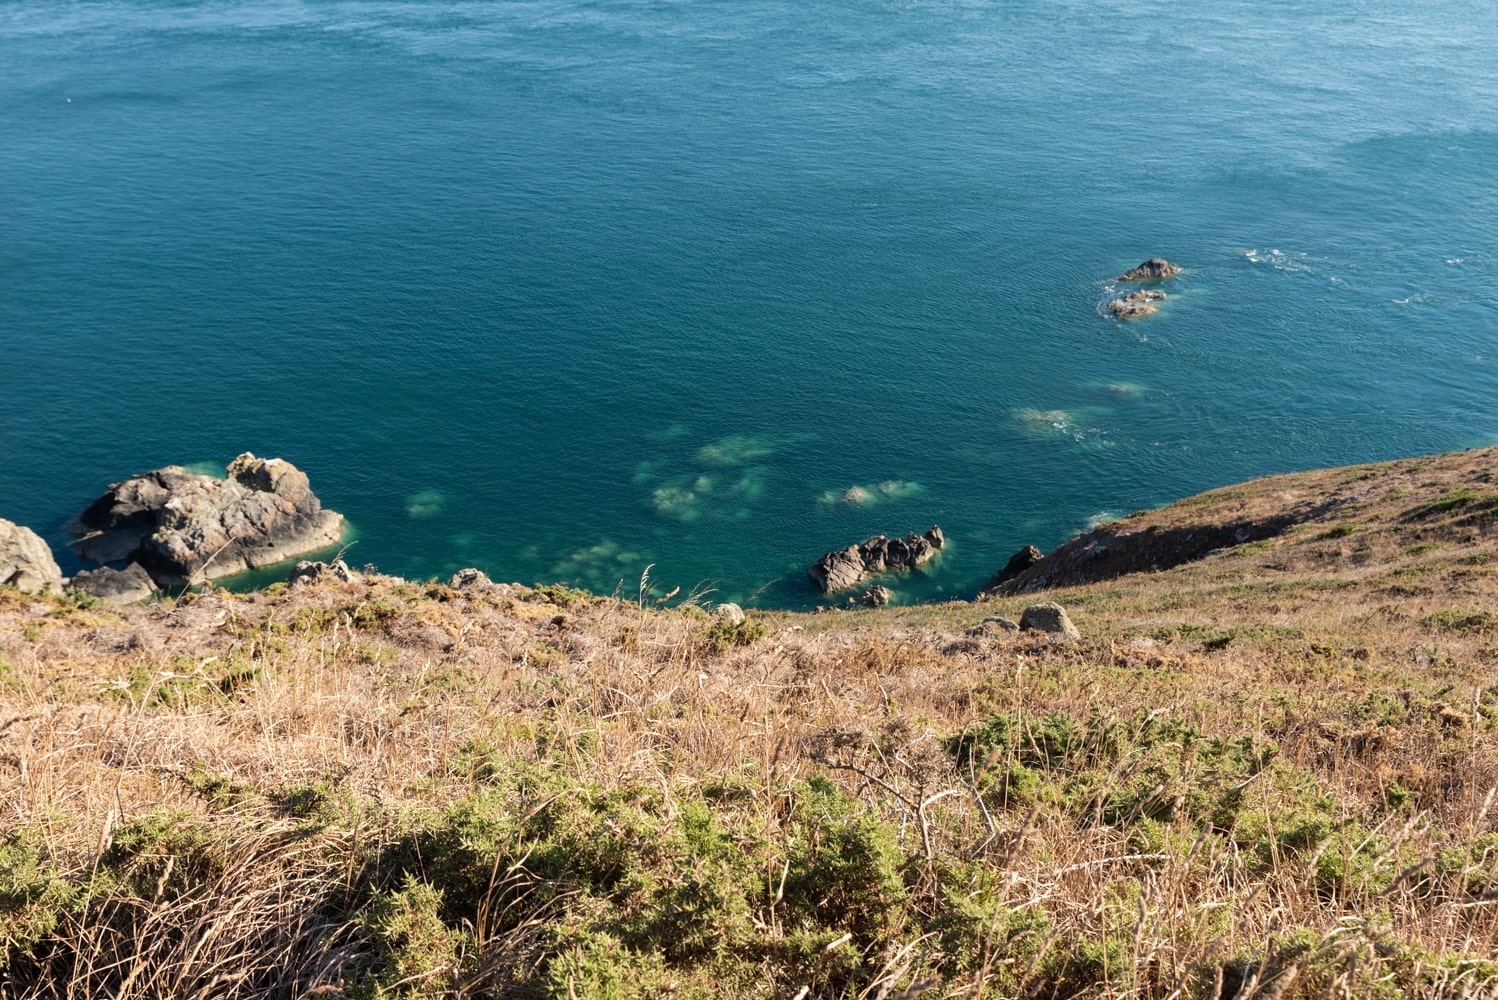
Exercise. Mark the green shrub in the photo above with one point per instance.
(1121, 771)
(556, 593)
(219, 791)
(368, 614)
(846, 865)
(417, 950)
(1469, 870)
(597, 964)
(978, 934)
(164, 854)
(34, 898)
(1468, 501)
(1462, 622)
(723, 634)
(1076, 970)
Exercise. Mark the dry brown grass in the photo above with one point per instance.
(217, 796)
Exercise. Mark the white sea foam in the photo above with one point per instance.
(1280, 260)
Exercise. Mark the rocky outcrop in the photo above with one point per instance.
(1136, 304)
(1017, 564)
(26, 561)
(1154, 269)
(1048, 618)
(305, 573)
(130, 585)
(845, 568)
(875, 597)
(185, 528)
(470, 579)
(1123, 547)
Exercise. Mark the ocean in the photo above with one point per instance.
(591, 291)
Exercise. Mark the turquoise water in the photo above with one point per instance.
(566, 289)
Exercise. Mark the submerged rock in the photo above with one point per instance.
(26, 560)
(856, 495)
(844, 568)
(1136, 304)
(1154, 269)
(185, 528)
(1048, 618)
(130, 585)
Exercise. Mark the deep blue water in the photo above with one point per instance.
(564, 288)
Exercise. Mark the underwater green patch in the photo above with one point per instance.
(425, 505)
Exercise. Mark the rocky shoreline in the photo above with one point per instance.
(172, 528)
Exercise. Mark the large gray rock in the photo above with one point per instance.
(844, 568)
(728, 612)
(185, 528)
(1154, 269)
(130, 585)
(1048, 618)
(26, 561)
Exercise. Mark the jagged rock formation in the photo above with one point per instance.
(1154, 269)
(1136, 304)
(875, 597)
(130, 585)
(26, 561)
(844, 568)
(1017, 564)
(184, 528)
(1048, 618)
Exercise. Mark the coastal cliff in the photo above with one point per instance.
(1265, 768)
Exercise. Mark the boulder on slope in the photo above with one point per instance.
(26, 560)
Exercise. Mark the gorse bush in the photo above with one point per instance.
(536, 882)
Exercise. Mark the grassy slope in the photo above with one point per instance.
(1265, 772)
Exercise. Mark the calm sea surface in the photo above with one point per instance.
(565, 288)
